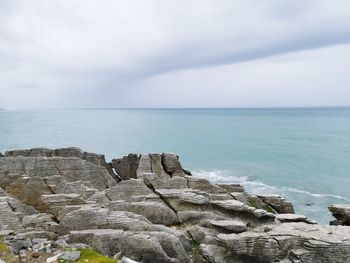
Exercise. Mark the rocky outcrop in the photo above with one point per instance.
(97, 159)
(30, 174)
(341, 213)
(135, 165)
(146, 246)
(278, 203)
(147, 208)
(297, 242)
(126, 167)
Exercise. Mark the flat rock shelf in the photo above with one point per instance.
(148, 208)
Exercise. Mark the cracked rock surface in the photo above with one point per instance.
(146, 207)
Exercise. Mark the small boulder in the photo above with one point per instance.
(278, 203)
(293, 218)
(128, 260)
(70, 255)
(341, 213)
(172, 164)
(234, 226)
(54, 258)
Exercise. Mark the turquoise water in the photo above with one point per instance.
(302, 154)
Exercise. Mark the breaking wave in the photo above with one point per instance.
(256, 187)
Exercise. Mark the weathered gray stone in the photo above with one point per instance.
(9, 218)
(180, 199)
(129, 190)
(293, 218)
(156, 212)
(12, 212)
(42, 245)
(6, 232)
(157, 166)
(57, 202)
(57, 184)
(40, 221)
(235, 226)
(194, 217)
(53, 259)
(25, 177)
(134, 165)
(204, 185)
(164, 182)
(24, 240)
(278, 203)
(3, 193)
(70, 255)
(128, 260)
(16, 205)
(172, 165)
(143, 247)
(37, 234)
(98, 159)
(252, 200)
(90, 217)
(145, 166)
(60, 214)
(213, 254)
(294, 241)
(342, 214)
(126, 167)
(232, 187)
(220, 197)
(29, 191)
(236, 207)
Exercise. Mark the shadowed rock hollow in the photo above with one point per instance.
(149, 209)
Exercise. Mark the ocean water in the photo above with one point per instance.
(301, 154)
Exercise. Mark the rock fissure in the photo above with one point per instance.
(108, 197)
(59, 171)
(162, 198)
(163, 164)
(48, 186)
(13, 208)
(188, 183)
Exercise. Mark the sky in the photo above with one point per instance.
(174, 53)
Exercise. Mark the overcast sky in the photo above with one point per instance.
(174, 53)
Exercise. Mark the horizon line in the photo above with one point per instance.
(183, 108)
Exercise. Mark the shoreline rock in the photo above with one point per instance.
(148, 208)
(341, 213)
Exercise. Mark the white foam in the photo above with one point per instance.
(256, 187)
(316, 195)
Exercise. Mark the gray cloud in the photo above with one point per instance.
(71, 54)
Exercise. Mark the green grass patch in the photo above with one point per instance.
(90, 256)
(195, 246)
(252, 203)
(270, 210)
(5, 253)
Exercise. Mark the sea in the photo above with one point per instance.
(302, 154)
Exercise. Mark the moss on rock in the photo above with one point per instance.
(5, 253)
(90, 256)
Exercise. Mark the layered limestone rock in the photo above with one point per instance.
(97, 159)
(30, 174)
(149, 209)
(145, 246)
(297, 242)
(278, 203)
(135, 165)
(341, 213)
